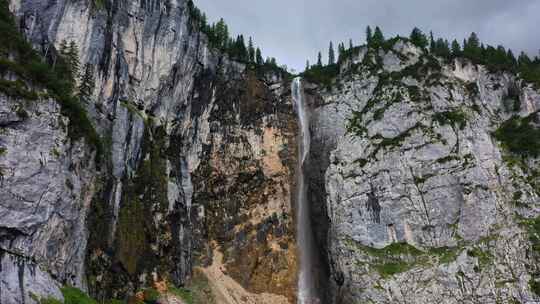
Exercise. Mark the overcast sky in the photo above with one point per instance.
(295, 30)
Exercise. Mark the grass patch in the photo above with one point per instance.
(446, 255)
(183, 293)
(74, 295)
(392, 268)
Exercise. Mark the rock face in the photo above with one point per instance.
(47, 183)
(198, 157)
(422, 204)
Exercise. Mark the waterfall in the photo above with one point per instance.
(307, 293)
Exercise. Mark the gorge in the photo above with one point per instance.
(173, 172)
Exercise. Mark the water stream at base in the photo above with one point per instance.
(307, 293)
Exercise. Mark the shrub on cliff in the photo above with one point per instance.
(520, 136)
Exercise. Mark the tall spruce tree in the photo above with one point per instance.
(369, 35)
(472, 49)
(319, 59)
(378, 38)
(456, 48)
(341, 51)
(418, 38)
(251, 50)
(331, 54)
(431, 42)
(87, 83)
(258, 57)
(222, 34)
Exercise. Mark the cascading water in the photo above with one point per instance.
(307, 293)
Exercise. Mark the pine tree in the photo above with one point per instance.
(523, 59)
(472, 49)
(456, 49)
(418, 38)
(87, 83)
(251, 50)
(369, 35)
(73, 59)
(331, 54)
(441, 48)
(341, 51)
(203, 23)
(511, 58)
(350, 44)
(63, 47)
(258, 57)
(431, 42)
(222, 34)
(319, 59)
(307, 65)
(378, 38)
(239, 50)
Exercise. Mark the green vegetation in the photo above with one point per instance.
(533, 228)
(392, 268)
(74, 295)
(47, 300)
(535, 286)
(393, 259)
(151, 296)
(418, 38)
(454, 118)
(484, 257)
(401, 257)
(323, 75)
(198, 290)
(512, 102)
(17, 89)
(183, 293)
(57, 78)
(395, 249)
(395, 141)
(520, 136)
(446, 254)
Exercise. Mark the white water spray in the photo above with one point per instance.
(307, 293)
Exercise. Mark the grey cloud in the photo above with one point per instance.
(295, 30)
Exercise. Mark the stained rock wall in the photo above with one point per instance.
(185, 130)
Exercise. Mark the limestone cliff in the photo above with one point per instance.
(196, 160)
(423, 200)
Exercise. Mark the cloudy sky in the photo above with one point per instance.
(295, 30)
